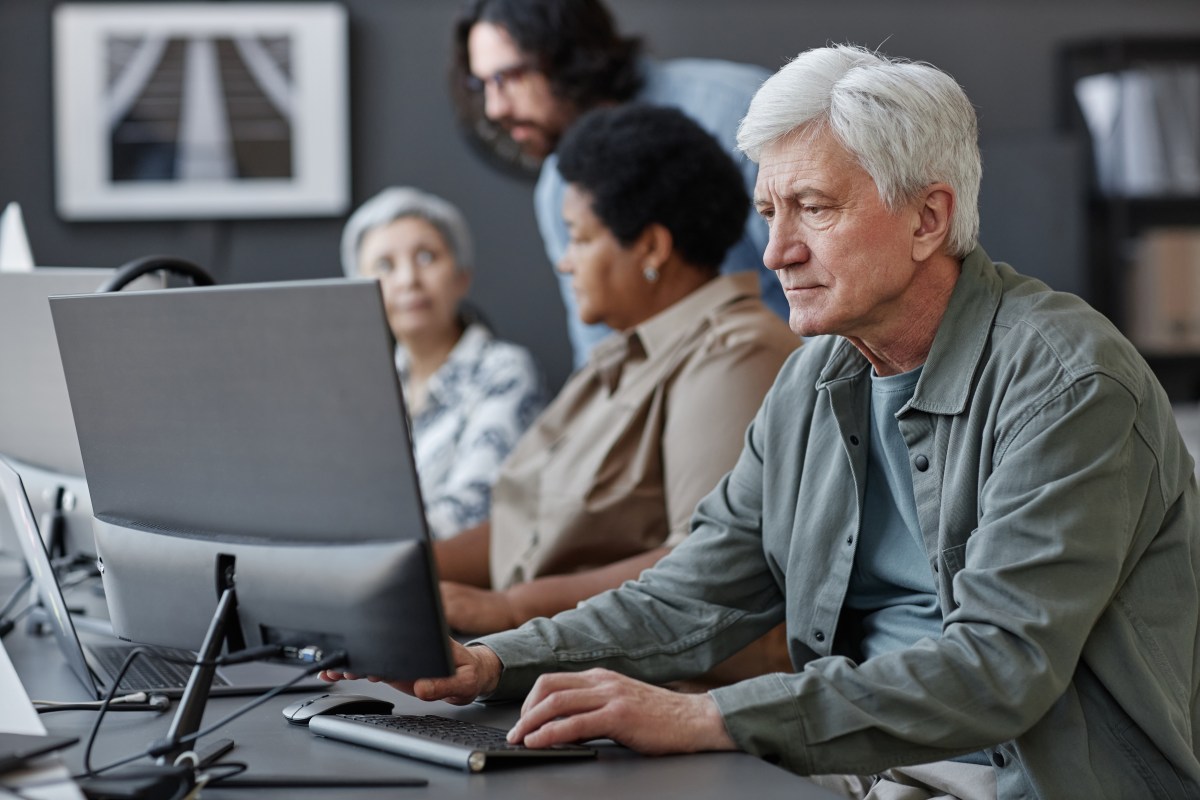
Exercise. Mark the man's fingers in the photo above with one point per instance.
(553, 682)
(557, 706)
(457, 690)
(403, 686)
(576, 728)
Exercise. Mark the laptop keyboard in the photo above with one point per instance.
(453, 742)
(146, 671)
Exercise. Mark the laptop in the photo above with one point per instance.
(95, 664)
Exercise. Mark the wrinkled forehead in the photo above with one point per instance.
(807, 154)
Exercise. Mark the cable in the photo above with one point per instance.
(15, 596)
(104, 704)
(161, 747)
(137, 701)
(326, 663)
(7, 625)
(73, 579)
(312, 782)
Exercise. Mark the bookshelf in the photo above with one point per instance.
(1135, 103)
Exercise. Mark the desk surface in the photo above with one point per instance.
(269, 745)
(18, 716)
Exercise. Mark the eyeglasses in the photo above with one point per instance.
(502, 79)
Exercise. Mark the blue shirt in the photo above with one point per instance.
(714, 93)
(891, 585)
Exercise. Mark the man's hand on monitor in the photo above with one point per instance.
(476, 672)
(599, 703)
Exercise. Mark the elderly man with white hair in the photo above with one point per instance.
(469, 394)
(966, 496)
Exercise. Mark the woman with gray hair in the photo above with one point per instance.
(469, 394)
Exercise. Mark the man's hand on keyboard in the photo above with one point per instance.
(598, 703)
(476, 671)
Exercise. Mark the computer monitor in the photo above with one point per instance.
(254, 437)
(37, 432)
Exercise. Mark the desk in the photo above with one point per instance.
(18, 716)
(268, 744)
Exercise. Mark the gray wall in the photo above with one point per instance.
(403, 132)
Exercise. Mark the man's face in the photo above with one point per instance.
(844, 260)
(517, 96)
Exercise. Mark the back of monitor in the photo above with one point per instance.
(37, 431)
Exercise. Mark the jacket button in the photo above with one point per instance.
(819, 636)
(850, 539)
(854, 440)
(922, 463)
(998, 758)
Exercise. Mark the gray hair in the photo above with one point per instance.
(398, 202)
(908, 124)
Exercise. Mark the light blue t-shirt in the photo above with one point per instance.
(891, 585)
(714, 93)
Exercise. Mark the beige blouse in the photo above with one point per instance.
(616, 464)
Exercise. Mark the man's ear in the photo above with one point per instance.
(935, 207)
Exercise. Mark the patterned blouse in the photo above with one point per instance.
(478, 404)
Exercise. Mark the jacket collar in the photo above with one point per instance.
(958, 346)
(670, 327)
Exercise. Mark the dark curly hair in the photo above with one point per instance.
(573, 42)
(651, 164)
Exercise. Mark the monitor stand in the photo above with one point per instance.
(138, 783)
(54, 526)
(195, 695)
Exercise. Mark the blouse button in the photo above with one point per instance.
(819, 636)
(854, 440)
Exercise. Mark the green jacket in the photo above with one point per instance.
(1061, 520)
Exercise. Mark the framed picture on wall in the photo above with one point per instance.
(200, 110)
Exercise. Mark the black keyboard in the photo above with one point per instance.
(456, 743)
(147, 673)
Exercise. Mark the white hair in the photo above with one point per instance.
(908, 124)
(398, 202)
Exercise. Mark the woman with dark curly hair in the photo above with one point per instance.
(604, 482)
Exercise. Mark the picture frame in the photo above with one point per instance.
(200, 110)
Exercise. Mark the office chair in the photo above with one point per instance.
(132, 270)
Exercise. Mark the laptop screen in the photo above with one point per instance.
(42, 571)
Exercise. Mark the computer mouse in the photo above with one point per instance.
(300, 712)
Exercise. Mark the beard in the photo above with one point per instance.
(533, 139)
